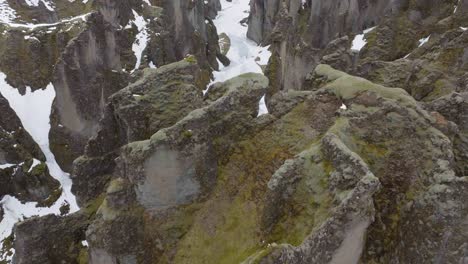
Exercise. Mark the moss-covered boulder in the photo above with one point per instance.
(158, 99)
(335, 174)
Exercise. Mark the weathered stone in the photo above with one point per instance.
(60, 239)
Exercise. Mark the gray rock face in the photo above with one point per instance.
(16, 145)
(299, 31)
(262, 19)
(184, 29)
(175, 32)
(157, 100)
(28, 183)
(301, 34)
(341, 169)
(212, 7)
(86, 75)
(60, 239)
(454, 108)
(323, 24)
(20, 176)
(172, 176)
(176, 167)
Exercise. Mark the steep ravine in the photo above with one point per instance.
(233, 131)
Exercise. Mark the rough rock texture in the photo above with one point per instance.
(23, 173)
(344, 168)
(85, 50)
(29, 183)
(372, 224)
(301, 34)
(16, 144)
(157, 100)
(298, 30)
(185, 29)
(60, 240)
(180, 159)
(176, 29)
(312, 182)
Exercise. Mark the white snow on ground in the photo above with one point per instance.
(7, 14)
(464, 28)
(423, 41)
(84, 1)
(141, 38)
(359, 41)
(47, 4)
(262, 108)
(33, 26)
(245, 55)
(243, 51)
(7, 165)
(34, 109)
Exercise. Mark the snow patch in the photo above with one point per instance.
(424, 41)
(7, 14)
(141, 39)
(34, 109)
(7, 165)
(359, 41)
(245, 55)
(262, 108)
(48, 25)
(46, 3)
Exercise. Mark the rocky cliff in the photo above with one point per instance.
(341, 138)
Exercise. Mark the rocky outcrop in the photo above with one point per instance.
(88, 72)
(371, 221)
(16, 144)
(174, 30)
(23, 173)
(398, 27)
(184, 29)
(157, 100)
(451, 111)
(298, 31)
(61, 240)
(28, 55)
(342, 166)
(212, 7)
(29, 182)
(180, 162)
(330, 175)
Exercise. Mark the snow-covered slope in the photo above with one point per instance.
(33, 109)
(245, 55)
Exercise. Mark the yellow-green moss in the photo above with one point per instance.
(441, 87)
(191, 59)
(83, 256)
(7, 248)
(53, 197)
(91, 208)
(228, 227)
(309, 205)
